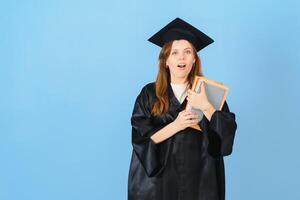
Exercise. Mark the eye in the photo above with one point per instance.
(174, 52)
(188, 51)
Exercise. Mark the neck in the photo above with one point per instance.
(179, 80)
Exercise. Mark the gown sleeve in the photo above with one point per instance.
(222, 127)
(142, 128)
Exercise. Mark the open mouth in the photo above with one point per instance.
(181, 65)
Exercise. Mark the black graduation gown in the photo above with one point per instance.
(187, 166)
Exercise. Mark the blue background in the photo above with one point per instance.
(71, 70)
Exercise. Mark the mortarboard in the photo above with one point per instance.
(179, 29)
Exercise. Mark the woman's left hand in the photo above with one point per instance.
(198, 100)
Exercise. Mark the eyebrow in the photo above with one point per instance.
(183, 49)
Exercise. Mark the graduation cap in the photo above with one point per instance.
(179, 29)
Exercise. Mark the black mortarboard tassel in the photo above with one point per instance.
(179, 29)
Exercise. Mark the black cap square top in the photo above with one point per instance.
(179, 29)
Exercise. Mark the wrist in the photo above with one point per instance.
(209, 112)
(207, 107)
(174, 127)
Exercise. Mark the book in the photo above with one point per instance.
(216, 93)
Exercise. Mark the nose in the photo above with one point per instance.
(181, 56)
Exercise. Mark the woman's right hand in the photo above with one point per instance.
(185, 119)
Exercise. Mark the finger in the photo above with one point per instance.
(192, 114)
(188, 113)
(191, 92)
(189, 98)
(196, 118)
(193, 121)
(193, 124)
(191, 117)
(183, 112)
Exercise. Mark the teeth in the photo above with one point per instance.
(181, 66)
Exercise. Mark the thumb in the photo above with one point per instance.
(202, 87)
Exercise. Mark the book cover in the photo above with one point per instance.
(216, 94)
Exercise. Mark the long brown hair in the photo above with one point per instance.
(163, 79)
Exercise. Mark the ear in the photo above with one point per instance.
(167, 65)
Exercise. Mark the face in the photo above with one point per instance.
(180, 60)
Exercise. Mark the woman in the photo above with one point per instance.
(170, 160)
